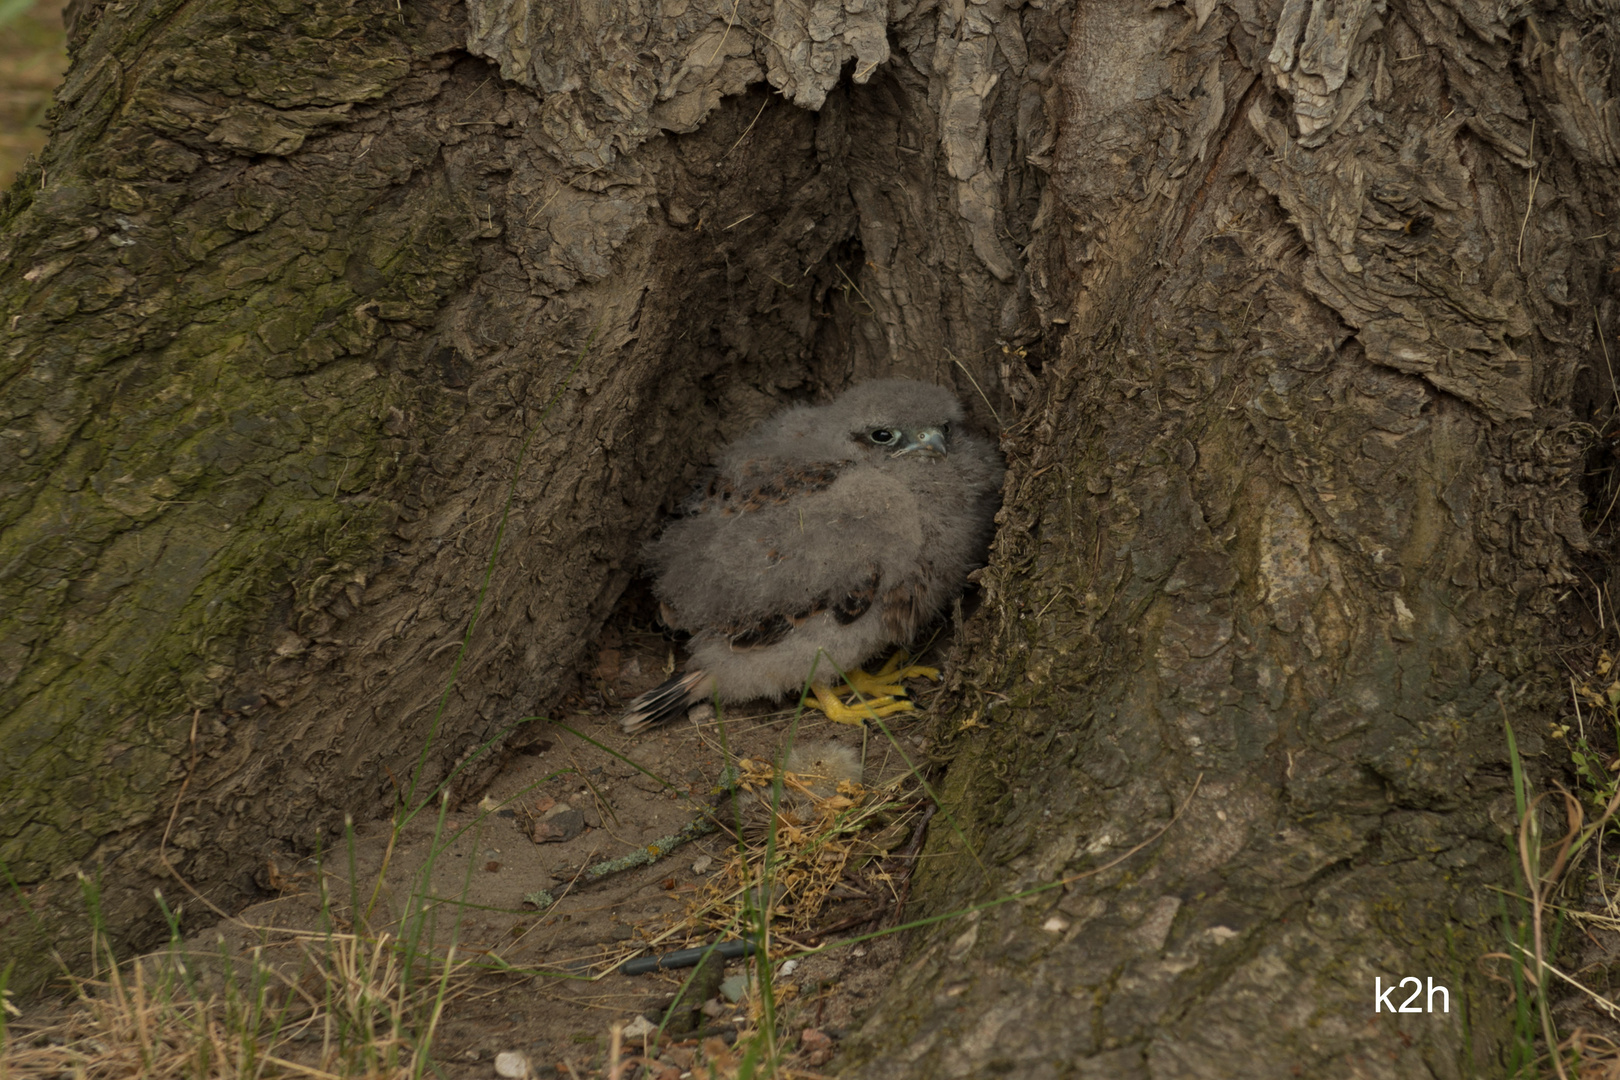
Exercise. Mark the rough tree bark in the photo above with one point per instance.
(1290, 527)
(1289, 311)
(284, 297)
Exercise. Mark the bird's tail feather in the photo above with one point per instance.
(665, 701)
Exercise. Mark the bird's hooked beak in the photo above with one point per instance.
(928, 441)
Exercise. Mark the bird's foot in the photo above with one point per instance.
(857, 712)
(886, 680)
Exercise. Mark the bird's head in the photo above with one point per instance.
(900, 418)
(928, 441)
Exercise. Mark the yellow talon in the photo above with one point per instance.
(876, 695)
(858, 712)
(886, 680)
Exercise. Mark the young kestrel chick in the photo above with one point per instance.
(826, 536)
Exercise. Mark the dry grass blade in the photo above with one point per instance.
(1540, 886)
(1533, 962)
(1599, 1057)
(805, 845)
(153, 1020)
(806, 836)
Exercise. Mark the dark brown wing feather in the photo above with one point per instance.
(763, 483)
(908, 605)
(855, 603)
(771, 629)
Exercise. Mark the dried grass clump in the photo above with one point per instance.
(349, 1008)
(808, 834)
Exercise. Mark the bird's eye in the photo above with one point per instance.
(883, 436)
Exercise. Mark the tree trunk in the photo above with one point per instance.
(1289, 315)
(285, 298)
(1286, 541)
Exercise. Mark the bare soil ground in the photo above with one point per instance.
(556, 1008)
(506, 879)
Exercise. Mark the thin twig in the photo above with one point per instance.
(615, 1047)
(174, 813)
(980, 389)
(746, 130)
(1530, 200)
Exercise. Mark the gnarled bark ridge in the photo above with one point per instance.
(1284, 544)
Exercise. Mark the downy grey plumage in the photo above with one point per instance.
(824, 537)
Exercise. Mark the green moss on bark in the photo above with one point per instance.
(197, 426)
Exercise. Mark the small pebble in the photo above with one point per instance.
(734, 987)
(818, 1048)
(513, 1065)
(639, 1028)
(561, 823)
